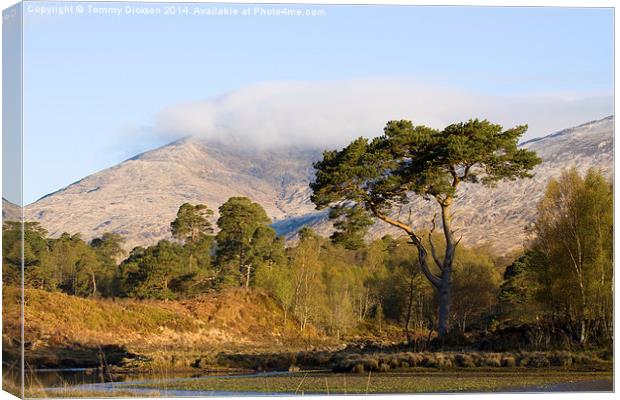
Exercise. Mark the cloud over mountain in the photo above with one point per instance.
(331, 113)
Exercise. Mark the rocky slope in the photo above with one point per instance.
(10, 211)
(497, 217)
(139, 197)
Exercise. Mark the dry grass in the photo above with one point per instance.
(63, 330)
(233, 315)
(235, 329)
(383, 362)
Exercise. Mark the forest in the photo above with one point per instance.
(556, 293)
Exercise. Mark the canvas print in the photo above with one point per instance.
(218, 199)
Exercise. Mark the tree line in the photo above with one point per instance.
(561, 286)
(331, 284)
(344, 287)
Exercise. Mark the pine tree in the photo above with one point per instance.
(244, 241)
(376, 175)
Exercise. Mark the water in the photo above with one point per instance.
(91, 381)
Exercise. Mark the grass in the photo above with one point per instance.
(67, 393)
(229, 315)
(383, 362)
(67, 331)
(395, 382)
(35, 388)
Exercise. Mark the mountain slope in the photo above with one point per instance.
(497, 217)
(139, 197)
(10, 211)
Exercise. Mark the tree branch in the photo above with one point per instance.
(415, 240)
(466, 172)
(434, 279)
(458, 241)
(455, 176)
(393, 222)
(430, 241)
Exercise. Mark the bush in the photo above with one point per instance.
(492, 360)
(464, 360)
(539, 362)
(414, 359)
(523, 361)
(382, 362)
(508, 361)
(444, 361)
(606, 355)
(358, 368)
(323, 359)
(561, 359)
(430, 361)
(371, 363)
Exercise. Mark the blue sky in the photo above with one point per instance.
(100, 88)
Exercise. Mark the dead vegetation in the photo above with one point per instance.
(68, 331)
(231, 330)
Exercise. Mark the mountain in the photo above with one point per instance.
(10, 211)
(497, 217)
(139, 197)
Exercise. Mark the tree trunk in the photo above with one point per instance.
(94, 279)
(444, 305)
(582, 315)
(442, 282)
(409, 307)
(247, 276)
(446, 271)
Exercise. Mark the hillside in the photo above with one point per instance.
(63, 329)
(139, 197)
(10, 211)
(497, 217)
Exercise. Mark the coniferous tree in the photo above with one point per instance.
(518, 292)
(193, 227)
(244, 240)
(109, 249)
(151, 272)
(34, 244)
(351, 225)
(408, 159)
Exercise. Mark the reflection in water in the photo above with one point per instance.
(64, 377)
(95, 380)
(92, 380)
(51, 378)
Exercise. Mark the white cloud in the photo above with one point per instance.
(331, 113)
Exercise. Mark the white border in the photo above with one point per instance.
(506, 3)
